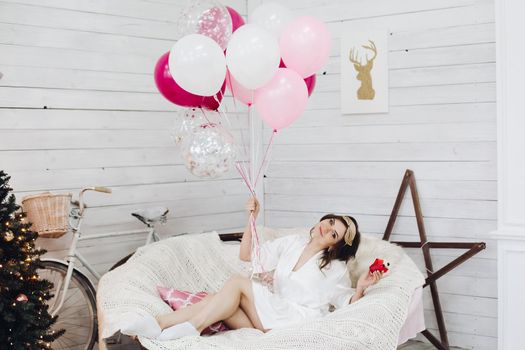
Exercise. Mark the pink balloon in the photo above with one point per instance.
(239, 92)
(305, 45)
(310, 81)
(237, 20)
(174, 93)
(282, 100)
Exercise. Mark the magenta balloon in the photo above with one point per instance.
(309, 81)
(174, 93)
(281, 101)
(237, 20)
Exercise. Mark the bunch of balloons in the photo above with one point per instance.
(269, 62)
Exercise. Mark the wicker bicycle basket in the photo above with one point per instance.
(48, 212)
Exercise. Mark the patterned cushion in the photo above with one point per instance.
(178, 299)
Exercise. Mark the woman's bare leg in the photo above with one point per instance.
(233, 304)
(248, 308)
(238, 320)
(184, 314)
(236, 294)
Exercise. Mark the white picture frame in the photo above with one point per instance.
(364, 71)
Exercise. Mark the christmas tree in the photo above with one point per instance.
(25, 322)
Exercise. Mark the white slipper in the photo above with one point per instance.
(145, 326)
(178, 331)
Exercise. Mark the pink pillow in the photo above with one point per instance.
(178, 299)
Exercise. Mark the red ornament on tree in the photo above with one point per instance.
(21, 298)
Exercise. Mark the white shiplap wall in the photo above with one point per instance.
(441, 124)
(78, 108)
(89, 65)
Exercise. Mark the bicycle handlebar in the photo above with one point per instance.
(102, 189)
(81, 194)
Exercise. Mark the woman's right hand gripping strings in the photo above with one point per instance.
(265, 277)
(252, 207)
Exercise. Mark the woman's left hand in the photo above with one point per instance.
(369, 278)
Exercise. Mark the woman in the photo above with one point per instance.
(309, 275)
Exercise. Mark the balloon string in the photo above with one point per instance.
(256, 258)
(255, 246)
(255, 242)
(250, 183)
(265, 162)
(248, 180)
(205, 115)
(223, 114)
(257, 264)
(254, 144)
(236, 110)
(243, 142)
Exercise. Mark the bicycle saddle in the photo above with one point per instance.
(151, 215)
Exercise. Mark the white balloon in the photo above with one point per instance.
(253, 56)
(271, 16)
(198, 65)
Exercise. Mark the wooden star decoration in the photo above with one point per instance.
(432, 276)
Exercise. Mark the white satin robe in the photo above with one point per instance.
(304, 294)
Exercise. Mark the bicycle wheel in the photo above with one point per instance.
(121, 261)
(78, 315)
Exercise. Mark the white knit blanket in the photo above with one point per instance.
(203, 263)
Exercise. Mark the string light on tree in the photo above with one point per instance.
(9, 235)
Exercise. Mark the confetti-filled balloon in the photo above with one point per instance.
(190, 118)
(184, 125)
(209, 151)
(209, 18)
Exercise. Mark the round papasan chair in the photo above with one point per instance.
(202, 262)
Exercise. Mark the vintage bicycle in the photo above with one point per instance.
(74, 293)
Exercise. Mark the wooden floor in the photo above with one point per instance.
(417, 345)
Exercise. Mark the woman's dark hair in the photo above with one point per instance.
(340, 251)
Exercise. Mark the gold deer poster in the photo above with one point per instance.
(364, 72)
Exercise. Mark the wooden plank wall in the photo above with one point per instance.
(441, 124)
(78, 108)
